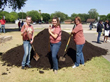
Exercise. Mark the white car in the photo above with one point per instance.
(95, 24)
(34, 22)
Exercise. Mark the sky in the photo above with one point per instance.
(66, 6)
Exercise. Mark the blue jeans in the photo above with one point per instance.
(3, 27)
(98, 38)
(90, 27)
(79, 55)
(27, 52)
(54, 49)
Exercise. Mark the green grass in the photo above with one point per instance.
(96, 70)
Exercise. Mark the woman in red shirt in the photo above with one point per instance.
(27, 34)
(79, 39)
(55, 41)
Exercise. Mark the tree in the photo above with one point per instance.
(93, 13)
(14, 4)
(6, 14)
(13, 16)
(45, 16)
(22, 15)
(83, 17)
(58, 14)
(73, 16)
(108, 16)
(34, 14)
(103, 17)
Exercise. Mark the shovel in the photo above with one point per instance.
(36, 56)
(62, 58)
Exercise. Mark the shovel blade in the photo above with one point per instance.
(62, 59)
(36, 57)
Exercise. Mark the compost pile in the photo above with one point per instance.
(41, 45)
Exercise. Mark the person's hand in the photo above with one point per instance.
(31, 41)
(25, 29)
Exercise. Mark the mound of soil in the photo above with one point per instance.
(41, 45)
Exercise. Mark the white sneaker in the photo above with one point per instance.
(74, 66)
(55, 71)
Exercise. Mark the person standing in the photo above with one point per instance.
(90, 26)
(55, 41)
(19, 25)
(22, 23)
(2, 21)
(106, 28)
(79, 40)
(27, 34)
(99, 30)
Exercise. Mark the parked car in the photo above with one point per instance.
(34, 22)
(95, 25)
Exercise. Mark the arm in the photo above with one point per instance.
(53, 35)
(23, 30)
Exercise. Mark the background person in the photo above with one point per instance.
(22, 23)
(79, 39)
(106, 28)
(90, 26)
(19, 25)
(2, 21)
(55, 41)
(27, 41)
(99, 30)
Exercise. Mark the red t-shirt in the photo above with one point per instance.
(55, 30)
(78, 35)
(2, 21)
(30, 30)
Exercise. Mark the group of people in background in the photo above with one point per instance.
(55, 41)
(20, 24)
(106, 33)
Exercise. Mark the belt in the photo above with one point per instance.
(26, 40)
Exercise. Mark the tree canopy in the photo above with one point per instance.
(93, 13)
(34, 14)
(58, 14)
(22, 15)
(45, 16)
(14, 4)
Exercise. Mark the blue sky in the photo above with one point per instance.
(66, 6)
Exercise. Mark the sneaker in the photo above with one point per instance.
(74, 66)
(22, 67)
(55, 71)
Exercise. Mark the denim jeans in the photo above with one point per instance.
(3, 27)
(27, 52)
(79, 55)
(98, 38)
(54, 49)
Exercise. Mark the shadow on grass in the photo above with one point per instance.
(11, 30)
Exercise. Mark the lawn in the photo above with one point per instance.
(95, 70)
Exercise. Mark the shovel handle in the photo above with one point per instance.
(68, 42)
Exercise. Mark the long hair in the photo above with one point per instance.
(58, 22)
(79, 19)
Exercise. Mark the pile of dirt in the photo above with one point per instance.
(41, 45)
